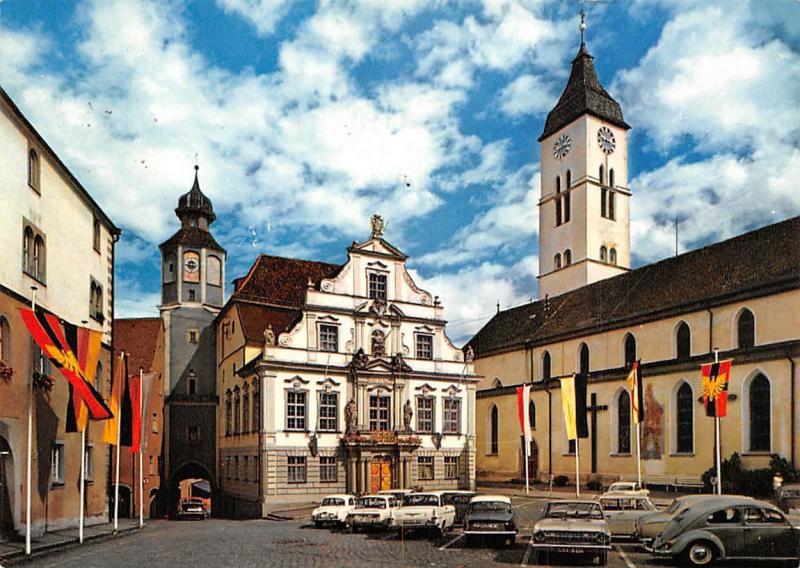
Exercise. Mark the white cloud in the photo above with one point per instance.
(264, 15)
(527, 94)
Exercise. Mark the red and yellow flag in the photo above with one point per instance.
(637, 400)
(48, 334)
(118, 428)
(714, 383)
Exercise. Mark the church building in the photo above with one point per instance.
(339, 378)
(595, 315)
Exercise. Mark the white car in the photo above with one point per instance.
(623, 510)
(333, 510)
(629, 487)
(372, 512)
(425, 511)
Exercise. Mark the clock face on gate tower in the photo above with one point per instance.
(191, 267)
(606, 140)
(562, 146)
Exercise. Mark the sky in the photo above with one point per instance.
(308, 117)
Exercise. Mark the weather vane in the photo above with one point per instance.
(583, 23)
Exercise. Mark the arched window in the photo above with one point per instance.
(567, 257)
(378, 343)
(546, 364)
(602, 175)
(256, 406)
(5, 340)
(630, 350)
(493, 430)
(558, 200)
(623, 423)
(532, 414)
(611, 205)
(558, 184)
(612, 256)
(557, 261)
(760, 414)
(237, 409)
(567, 207)
(228, 413)
(569, 179)
(611, 177)
(214, 271)
(245, 408)
(583, 357)
(603, 254)
(33, 170)
(38, 258)
(99, 380)
(683, 338)
(746, 330)
(603, 200)
(684, 414)
(497, 383)
(27, 251)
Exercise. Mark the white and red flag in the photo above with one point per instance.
(523, 406)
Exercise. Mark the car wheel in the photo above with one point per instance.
(700, 553)
(602, 558)
(318, 524)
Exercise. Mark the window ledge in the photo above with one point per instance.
(32, 277)
(620, 455)
(681, 455)
(757, 453)
(57, 485)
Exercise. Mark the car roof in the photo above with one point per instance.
(437, 493)
(458, 492)
(339, 496)
(790, 486)
(727, 501)
(572, 502)
(620, 495)
(490, 499)
(378, 495)
(393, 491)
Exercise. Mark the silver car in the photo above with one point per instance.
(729, 528)
(572, 527)
(623, 510)
(650, 525)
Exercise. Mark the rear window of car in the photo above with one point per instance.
(421, 500)
(729, 516)
(372, 503)
(332, 502)
(490, 507)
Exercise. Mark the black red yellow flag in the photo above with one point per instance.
(120, 404)
(573, 406)
(714, 383)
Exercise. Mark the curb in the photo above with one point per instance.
(48, 549)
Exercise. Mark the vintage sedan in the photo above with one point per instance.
(460, 500)
(622, 510)
(425, 511)
(399, 494)
(729, 528)
(572, 527)
(627, 487)
(789, 499)
(372, 512)
(192, 508)
(491, 517)
(333, 510)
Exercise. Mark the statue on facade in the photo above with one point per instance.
(351, 416)
(408, 414)
(269, 336)
(652, 427)
(469, 354)
(378, 226)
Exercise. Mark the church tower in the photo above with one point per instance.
(192, 294)
(584, 226)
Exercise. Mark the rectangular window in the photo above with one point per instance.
(328, 403)
(154, 423)
(603, 199)
(193, 336)
(57, 464)
(425, 468)
(228, 467)
(193, 433)
(96, 235)
(192, 386)
(377, 286)
(236, 467)
(328, 338)
(451, 467)
(191, 295)
(246, 469)
(452, 416)
(295, 410)
(424, 346)
(297, 469)
(88, 463)
(327, 469)
(425, 405)
(611, 205)
(379, 412)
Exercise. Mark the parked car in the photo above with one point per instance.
(372, 512)
(572, 527)
(627, 487)
(425, 511)
(399, 494)
(491, 516)
(649, 526)
(460, 500)
(621, 511)
(729, 527)
(789, 499)
(333, 510)
(192, 508)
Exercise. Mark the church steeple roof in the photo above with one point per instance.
(195, 203)
(583, 95)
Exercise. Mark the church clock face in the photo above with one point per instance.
(191, 267)
(562, 146)
(605, 139)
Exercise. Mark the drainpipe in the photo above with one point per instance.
(793, 406)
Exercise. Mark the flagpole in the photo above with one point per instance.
(717, 438)
(577, 467)
(639, 451)
(141, 446)
(527, 485)
(83, 481)
(29, 457)
(116, 468)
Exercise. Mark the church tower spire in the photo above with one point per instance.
(584, 228)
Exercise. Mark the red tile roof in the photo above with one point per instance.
(255, 318)
(282, 281)
(138, 337)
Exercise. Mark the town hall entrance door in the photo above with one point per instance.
(380, 474)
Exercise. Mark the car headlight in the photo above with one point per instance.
(538, 536)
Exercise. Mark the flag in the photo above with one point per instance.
(523, 398)
(573, 405)
(119, 426)
(135, 392)
(85, 343)
(46, 330)
(637, 398)
(714, 383)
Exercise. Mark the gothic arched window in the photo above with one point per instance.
(602, 175)
(567, 206)
(546, 364)
(760, 414)
(603, 254)
(624, 423)
(245, 408)
(33, 170)
(5, 339)
(746, 330)
(38, 258)
(532, 414)
(611, 177)
(494, 430)
(683, 338)
(630, 350)
(228, 413)
(684, 439)
(603, 200)
(237, 409)
(27, 250)
(569, 179)
(611, 205)
(557, 261)
(558, 201)
(567, 257)
(584, 359)
(612, 256)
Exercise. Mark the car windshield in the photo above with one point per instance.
(372, 503)
(791, 493)
(490, 507)
(332, 502)
(622, 487)
(421, 500)
(676, 504)
(574, 510)
(190, 504)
